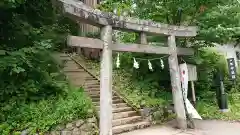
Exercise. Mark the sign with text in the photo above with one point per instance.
(232, 68)
(192, 72)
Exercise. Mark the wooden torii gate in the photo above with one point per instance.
(80, 12)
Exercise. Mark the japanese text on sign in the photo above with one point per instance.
(232, 68)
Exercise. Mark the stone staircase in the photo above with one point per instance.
(125, 118)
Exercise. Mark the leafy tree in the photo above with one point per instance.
(206, 14)
(218, 22)
(29, 29)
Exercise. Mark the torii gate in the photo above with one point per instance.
(80, 12)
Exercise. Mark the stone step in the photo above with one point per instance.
(89, 82)
(123, 109)
(118, 110)
(96, 95)
(62, 55)
(76, 78)
(93, 92)
(73, 70)
(130, 127)
(76, 72)
(94, 86)
(90, 78)
(114, 102)
(70, 62)
(66, 59)
(127, 120)
(92, 89)
(98, 99)
(71, 66)
(120, 115)
(120, 105)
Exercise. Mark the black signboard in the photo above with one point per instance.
(232, 68)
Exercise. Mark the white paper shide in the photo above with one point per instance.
(118, 61)
(150, 65)
(135, 64)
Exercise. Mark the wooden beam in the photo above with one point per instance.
(106, 83)
(79, 11)
(122, 47)
(176, 84)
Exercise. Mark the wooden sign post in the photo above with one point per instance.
(78, 11)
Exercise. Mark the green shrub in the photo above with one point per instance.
(29, 74)
(42, 115)
(208, 63)
(208, 109)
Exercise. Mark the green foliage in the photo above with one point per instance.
(208, 63)
(225, 14)
(93, 35)
(32, 88)
(28, 74)
(28, 30)
(45, 114)
(225, 25)
(32, 21)
(217, 20)
(117, 6)
(209, 109)
(10, 3)
(140, 93)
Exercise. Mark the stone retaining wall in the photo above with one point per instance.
(78, 127)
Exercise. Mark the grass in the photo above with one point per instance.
(139, 94)
(43, 115)
(210, 110)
